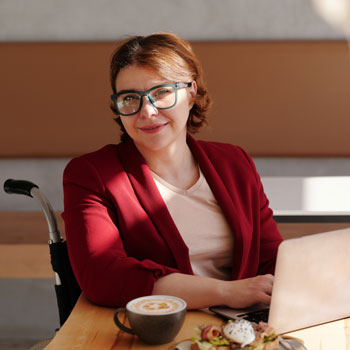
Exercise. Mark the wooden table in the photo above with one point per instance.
(92, 327)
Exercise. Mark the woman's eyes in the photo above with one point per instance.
(162, 91)
(131, 98)
(155, 94)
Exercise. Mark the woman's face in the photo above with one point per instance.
(153, 129)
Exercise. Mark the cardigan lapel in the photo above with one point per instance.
(225, 201)
(152, 202)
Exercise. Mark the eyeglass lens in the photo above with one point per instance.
(160, 97)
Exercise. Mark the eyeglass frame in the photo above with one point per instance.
(175, 86)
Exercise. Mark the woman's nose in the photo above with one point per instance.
(147, 109)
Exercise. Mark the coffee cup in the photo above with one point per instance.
(155, 319)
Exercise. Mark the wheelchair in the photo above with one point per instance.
(66, 287)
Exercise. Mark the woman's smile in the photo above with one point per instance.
(153, 128)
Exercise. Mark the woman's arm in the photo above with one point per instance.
(201, 292)
(105, 272)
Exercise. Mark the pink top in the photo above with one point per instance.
(202, 226)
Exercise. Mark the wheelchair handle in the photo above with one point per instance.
(19, 187)
(30, 189)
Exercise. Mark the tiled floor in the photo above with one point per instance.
(28, 312)
(28, 305)
(17, 344)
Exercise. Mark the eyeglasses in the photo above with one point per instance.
(164, 96)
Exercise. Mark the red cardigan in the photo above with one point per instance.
(121, 237)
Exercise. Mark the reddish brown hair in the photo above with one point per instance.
(170, 57)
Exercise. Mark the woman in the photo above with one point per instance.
(162, 213)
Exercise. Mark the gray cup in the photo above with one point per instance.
(155, 319)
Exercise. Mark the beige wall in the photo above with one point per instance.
(105, 20)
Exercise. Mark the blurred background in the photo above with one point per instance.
(278, 72)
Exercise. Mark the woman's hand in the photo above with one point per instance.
(247, 292)
(201, 292)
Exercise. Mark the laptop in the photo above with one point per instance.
(311, 284)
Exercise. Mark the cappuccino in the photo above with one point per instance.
(156, 305)
(155, 319)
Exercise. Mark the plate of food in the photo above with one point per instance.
(238, 335)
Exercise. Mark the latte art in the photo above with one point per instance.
(156, 305)
(155, 319)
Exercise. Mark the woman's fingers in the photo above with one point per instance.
(251, 291)
(265, 284)
(265, 299)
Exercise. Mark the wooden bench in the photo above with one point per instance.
(24, 251)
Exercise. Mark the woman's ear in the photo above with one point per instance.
(193, 92)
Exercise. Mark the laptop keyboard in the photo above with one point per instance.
(255, 316)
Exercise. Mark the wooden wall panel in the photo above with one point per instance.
(274, 98)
